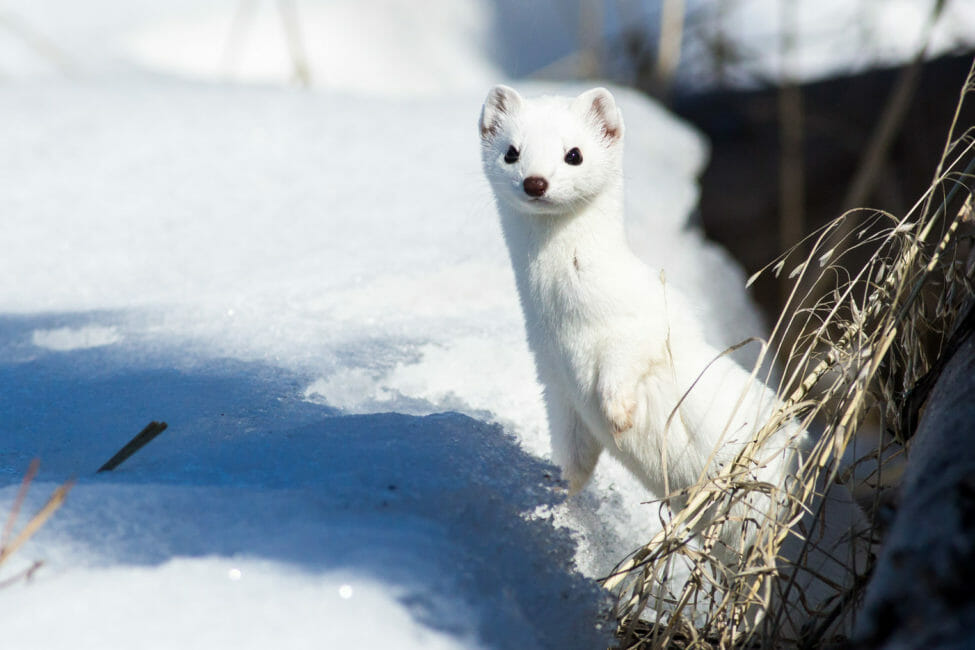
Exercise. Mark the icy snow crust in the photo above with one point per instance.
(311, 289)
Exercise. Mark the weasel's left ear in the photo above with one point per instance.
(599, 106)
(501, 101)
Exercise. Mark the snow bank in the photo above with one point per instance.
(242, 261)
(298, 283)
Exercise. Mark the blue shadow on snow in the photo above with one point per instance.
(436, 504)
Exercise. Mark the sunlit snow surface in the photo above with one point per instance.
(311, 289)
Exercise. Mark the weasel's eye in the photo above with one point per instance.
(574, 157)
(511, 156)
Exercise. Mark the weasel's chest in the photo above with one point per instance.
(577, 303)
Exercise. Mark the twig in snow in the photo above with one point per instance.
(144, 437)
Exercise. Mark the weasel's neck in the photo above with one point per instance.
(595, 229)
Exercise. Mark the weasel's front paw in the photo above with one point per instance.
(620, 412)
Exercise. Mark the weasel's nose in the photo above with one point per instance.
(535, 186)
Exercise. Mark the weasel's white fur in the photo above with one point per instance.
(615, 347)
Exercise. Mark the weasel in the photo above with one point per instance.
(624, 364)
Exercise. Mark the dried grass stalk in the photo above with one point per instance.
(10, 543)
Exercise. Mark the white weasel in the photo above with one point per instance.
(614, 347)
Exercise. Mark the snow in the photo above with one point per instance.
(382, 47)
(417, 55)
(64, 339)
(311, 289)
(215, 598)
(804, 40)
(828, 37)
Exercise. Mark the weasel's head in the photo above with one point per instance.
(550, 155)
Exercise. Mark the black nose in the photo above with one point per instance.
(535, 186)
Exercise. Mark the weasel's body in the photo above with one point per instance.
(614, 346)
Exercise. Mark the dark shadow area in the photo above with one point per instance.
(739, 204)
(436, 505)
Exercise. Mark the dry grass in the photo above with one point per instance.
(865, 351)
(10, 543)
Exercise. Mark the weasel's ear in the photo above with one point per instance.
(600, 107)
(501, 101)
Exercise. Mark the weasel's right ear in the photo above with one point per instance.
(501, 101)
(600, 107)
